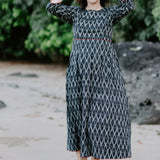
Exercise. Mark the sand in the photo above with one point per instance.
(33, 125)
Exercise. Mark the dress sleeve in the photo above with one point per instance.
(64, 12)
(120, 11)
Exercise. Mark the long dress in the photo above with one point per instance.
(98, 117)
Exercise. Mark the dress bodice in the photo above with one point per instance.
(91, 24)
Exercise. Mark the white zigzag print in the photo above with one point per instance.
(98, 117)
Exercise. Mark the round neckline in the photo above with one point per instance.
(94, 10)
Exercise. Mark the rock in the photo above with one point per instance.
(140, 63)
(153, 119)
(144, 92)
(146, 102)
(19, 74)
(15, 74)
(2, 104)
(50, 118)
(138, 48)
(158, 132)
(154, 75)
(14, 85)
(137, 54)
(30, 75)
(147, 113)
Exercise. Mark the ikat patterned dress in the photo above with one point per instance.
(98, 117)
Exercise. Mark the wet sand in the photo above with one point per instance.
(33, 125)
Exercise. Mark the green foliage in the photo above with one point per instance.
(27, 29)
(13, 28)
(49, 35)
(138, 25)
(156, 14)
(53, 39)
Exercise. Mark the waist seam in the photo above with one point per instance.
(91, 39)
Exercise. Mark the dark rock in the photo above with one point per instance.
(154, 118)
(15, 74)
(158, 132)
(140, 63)
(134, 56)
(30, 75)
(2, 104)
(14, 85)
(145, 113)
(146, 102)
(19, 74)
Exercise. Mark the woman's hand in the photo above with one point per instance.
(56, 1)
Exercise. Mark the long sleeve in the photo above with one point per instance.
(64, 12)
(120, 11)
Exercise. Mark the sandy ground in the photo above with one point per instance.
(33, 125)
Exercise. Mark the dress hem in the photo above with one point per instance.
(100, 158)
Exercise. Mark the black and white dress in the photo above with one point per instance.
(98, 117)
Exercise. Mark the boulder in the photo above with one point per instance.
(140, 63)
(2, 104)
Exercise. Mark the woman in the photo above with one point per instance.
(98, 118)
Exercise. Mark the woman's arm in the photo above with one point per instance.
(64, 12)
(120, 11)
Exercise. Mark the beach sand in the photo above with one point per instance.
(33, 124)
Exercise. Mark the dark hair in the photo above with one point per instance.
(83, 3)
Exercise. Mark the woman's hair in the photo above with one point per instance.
(83, 3)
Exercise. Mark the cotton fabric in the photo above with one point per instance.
(98, 117)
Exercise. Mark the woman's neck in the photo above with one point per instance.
(94, 6)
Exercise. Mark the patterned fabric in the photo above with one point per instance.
(98, 117)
